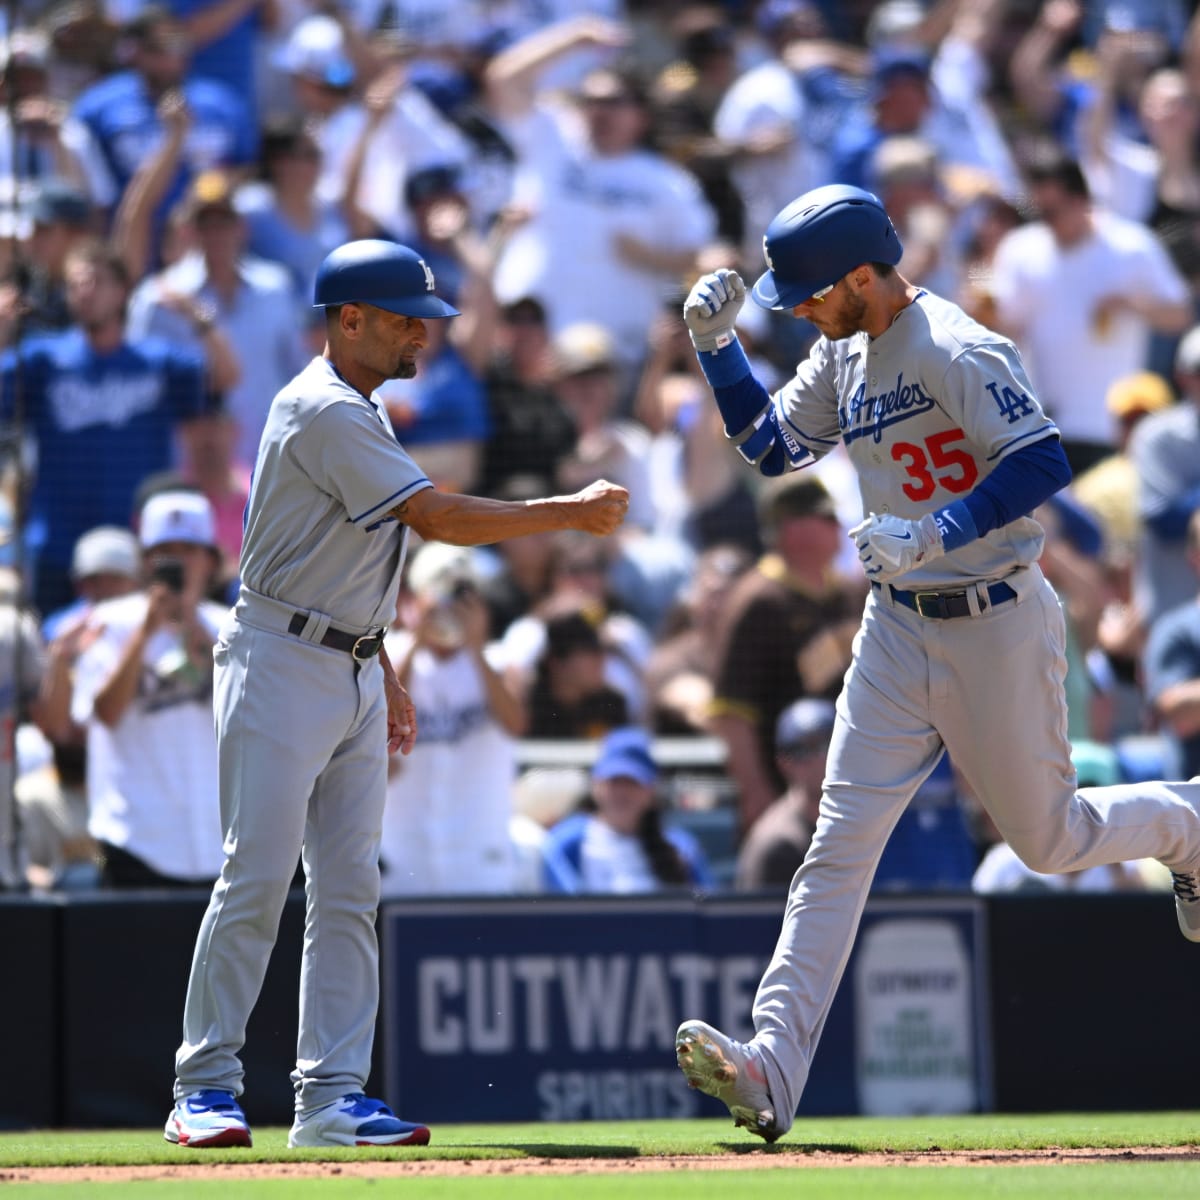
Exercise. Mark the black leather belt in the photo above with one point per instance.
(942, 606)
(360, 646)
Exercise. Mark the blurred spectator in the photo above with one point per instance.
(398, 131)
(61, 218)
(774, 118)
(1171, 667)
(122, 111)
(904, 102)
(779, 839)
(57, 849)
(684, 97)
(223, 36)
(786, 634)
(21, 667)
(531, 433)
(909, 182)
(1080, 290)
(144, 690)
(578, 573)
(250, 301)
(619, 843)
(932, 847)
(568, 696)
(286, 221)
(587, 382)
(1155, 177)
(441, 414)
(611, 224)
(682, 666)
(1165, 450)
(698, 494)
(1111, 491)
(105, 564)
(103, 407)
(39, 139)
(449, 804)
(1001, 870)
(520, 579)
(211, 465)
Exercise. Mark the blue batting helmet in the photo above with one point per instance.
(384, 274)
(820, 237)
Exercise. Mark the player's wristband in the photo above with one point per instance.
(956, 525)
(725, 366)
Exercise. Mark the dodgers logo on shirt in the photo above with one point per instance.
(869, 416)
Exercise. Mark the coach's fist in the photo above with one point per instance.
(599, 508)
(712, 307)
(891, 546)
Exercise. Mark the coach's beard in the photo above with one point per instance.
(405, 368)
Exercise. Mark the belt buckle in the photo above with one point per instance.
(373, 639)
(935, 600)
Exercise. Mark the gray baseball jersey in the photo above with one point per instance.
(317, 531)
(301, 739)
(926, 411)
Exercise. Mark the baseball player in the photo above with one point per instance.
(961, 643)
(307, 704)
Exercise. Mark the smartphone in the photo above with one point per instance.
(170, 572)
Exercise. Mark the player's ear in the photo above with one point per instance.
(351, 320)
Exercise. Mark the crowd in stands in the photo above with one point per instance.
(172, 174)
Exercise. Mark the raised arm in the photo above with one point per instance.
(510, 79)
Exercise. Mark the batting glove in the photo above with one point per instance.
(712, 307)
(891, 546)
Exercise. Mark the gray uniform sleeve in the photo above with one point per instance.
(807, 405)
(348, 452)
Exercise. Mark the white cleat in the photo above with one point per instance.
(731, 1072)
(1187, 903)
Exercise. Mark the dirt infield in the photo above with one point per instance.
(758, 1158)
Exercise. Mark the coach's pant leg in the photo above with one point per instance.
(882, 749)
(339, 972)
(1004, 723)
(272, 740)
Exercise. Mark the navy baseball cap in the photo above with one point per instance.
(626, 754)
(58, 202)
(804, 724)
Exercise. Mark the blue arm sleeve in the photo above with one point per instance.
(742, 401)
(1020, 482)
(1170, 525)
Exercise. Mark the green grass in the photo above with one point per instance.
(636, 1139)
(627, 1140)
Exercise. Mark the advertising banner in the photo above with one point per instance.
(566, 1010)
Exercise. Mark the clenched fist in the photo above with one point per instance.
(599, 508)
(712, 307)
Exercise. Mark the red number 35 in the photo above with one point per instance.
(957, 468)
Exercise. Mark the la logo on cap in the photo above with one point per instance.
(428, 274)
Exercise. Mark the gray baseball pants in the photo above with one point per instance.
(990, 689)
(301, 740)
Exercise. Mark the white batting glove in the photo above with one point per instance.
(712, 307)
(891, 546)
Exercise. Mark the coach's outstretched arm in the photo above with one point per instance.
(475, 520)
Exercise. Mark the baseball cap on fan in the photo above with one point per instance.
(177, 517)
(584, 347)
(106, 550)
(438, 569)
(316, 50)
(626, 754)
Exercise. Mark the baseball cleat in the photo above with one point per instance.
(718, 1066)
(207, 1120)
(1187, 903)
(355, 1120)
